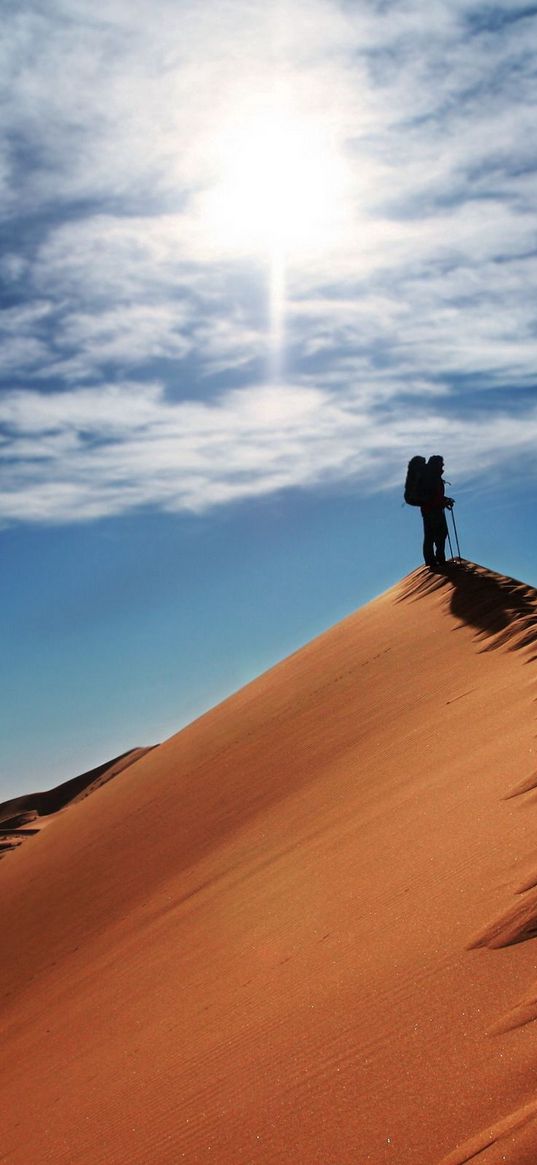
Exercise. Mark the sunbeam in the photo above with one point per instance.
(278, 194)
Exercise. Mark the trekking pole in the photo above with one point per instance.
(449, 541)
(456, 535)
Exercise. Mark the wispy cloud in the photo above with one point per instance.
(134, 336)
(92, 452)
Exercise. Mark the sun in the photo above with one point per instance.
(279, 184)
(279, 195)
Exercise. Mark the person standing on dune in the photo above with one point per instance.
(433, 505)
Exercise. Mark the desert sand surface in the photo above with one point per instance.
(301, 930)
(22, 817)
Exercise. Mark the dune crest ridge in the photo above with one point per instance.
(271, 940)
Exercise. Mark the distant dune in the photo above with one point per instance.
(18, 814)
(301, 931)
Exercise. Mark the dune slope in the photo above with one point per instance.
(19, 817)
(302, 929)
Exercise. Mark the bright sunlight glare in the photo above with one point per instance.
(279, 185)
(278, 194)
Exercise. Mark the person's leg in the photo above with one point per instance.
(428, 540)
(439, 538)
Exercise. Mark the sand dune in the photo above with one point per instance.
(18, 814)
(301, 930)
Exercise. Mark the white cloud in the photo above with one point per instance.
(116, 125)
(92, 453)
(130, 336)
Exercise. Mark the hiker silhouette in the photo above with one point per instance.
(433, 505)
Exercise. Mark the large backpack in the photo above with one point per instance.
(414, 482)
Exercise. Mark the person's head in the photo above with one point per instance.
(436, 464)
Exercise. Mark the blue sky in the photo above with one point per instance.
(254, 257)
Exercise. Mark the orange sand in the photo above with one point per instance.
(20, 818)
(300, 930)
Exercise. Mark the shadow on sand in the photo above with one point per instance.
(502, 609)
